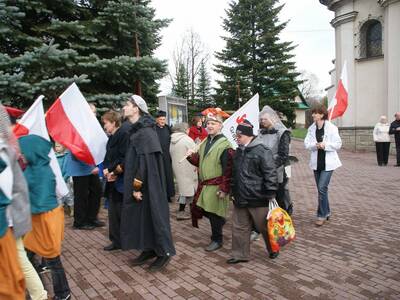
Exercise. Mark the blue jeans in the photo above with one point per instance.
(322, 179)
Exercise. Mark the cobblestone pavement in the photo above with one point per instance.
(354, 256)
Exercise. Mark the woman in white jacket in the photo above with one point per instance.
(382, 141)
(185, 173)
(323, 141)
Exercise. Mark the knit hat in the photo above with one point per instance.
(245, 128)
(139, 102)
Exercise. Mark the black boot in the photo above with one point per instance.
(143, 257)
(160, 263)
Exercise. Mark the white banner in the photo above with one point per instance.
(248, 111)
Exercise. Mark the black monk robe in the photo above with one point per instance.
(145, 224)
(164, 135)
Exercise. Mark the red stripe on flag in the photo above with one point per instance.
(63, 131)
(20, 130)
(341, 102)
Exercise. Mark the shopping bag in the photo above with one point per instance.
(279, 226)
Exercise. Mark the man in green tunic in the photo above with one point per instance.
(214, 160)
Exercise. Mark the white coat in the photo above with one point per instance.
(332, 142)
(185, 173)
(381, 132)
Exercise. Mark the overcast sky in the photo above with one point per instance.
(308, 28)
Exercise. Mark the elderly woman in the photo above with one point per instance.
(323, 141)
(185, 173)
(275, 136)
(382, 140)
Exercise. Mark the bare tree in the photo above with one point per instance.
(310, 85)
(190, 52)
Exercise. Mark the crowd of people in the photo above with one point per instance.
(146, 159)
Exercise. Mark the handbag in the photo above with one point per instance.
(279, 226)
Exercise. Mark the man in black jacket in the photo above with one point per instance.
(395, 129)
(254, 183)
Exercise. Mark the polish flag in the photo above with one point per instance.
(71, 122)
(33, 122)
(248, 111)
(338, 104)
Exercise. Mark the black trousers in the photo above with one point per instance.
(60, 283)
(217, 223)
(398, 150)
(283, 196)
(382, 152)
(87, 195)
(114, 217)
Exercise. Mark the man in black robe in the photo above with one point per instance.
(145, 221)
(164, 135)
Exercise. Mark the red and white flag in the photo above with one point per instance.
(33, 122)
(248, 111)
(338, 104)
(71, 122)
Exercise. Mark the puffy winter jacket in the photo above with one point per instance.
(254, 180)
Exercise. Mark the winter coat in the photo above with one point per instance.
(115, 153)
(279, 143)
(393, 126)
(185, 173)
(38, 173)
(164, 135)
(197, 134)
(145, 224)
(332, 142)
(20, 209)
(381, 132)
(254, 179)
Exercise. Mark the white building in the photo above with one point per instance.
(367, 34)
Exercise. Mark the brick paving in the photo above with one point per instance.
(354, 256)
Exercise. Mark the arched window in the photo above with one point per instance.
(371, 39)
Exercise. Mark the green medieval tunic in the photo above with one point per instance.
(214, 160)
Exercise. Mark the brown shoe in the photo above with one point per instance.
(319, 222)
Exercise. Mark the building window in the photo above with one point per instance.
(371, 39)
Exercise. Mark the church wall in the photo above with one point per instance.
(370, 91)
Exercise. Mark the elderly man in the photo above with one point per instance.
(254, 184)
(214, 160)
(395, 129)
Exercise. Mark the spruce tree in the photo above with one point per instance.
(31, 60)
(106, 47)
(203, 88)
(180, 86)
(255, 60)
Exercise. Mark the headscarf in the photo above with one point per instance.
(268, 113)
(6, 135)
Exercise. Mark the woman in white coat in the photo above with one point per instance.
(323, 141)
(185, 173)
(382, 141)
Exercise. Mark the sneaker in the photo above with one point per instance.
(255, 236)
(213, 246)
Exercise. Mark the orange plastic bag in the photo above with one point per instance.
(279, 226)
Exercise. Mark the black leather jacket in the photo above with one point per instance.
(254, 180)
